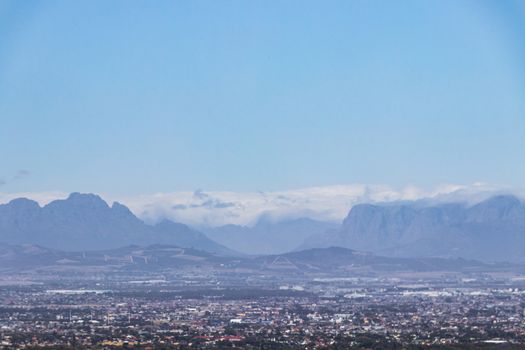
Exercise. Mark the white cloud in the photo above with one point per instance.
(331, 203)
(324, 203)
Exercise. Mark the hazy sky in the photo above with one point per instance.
(139, 97)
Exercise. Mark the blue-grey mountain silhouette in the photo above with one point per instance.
(268, 237)
(86, 222)
(491, 230)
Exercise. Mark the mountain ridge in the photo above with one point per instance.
(87, 222)
(318, 261)
(267, 237)
(493, 229)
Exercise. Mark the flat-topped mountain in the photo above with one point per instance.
(87, 222)
(491, 230)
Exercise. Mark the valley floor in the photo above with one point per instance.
(186, 312)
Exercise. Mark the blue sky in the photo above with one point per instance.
(155, 96)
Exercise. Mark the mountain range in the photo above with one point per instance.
(267, 236)
(86, 222)
(492, 230)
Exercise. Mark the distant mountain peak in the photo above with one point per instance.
(86, 222)
(506, 200)
(268, 236)
(498, 208)
(88, 198)
(24, 203)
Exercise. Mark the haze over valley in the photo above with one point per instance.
(491, 230)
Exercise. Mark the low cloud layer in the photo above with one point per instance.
(329, 203)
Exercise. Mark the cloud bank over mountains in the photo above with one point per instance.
(328, 203)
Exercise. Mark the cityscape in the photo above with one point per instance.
(341, 301)
(189, 310)
(262, 174)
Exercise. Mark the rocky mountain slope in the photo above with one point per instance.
(86, 222)
(268, 237)
(493, 230)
